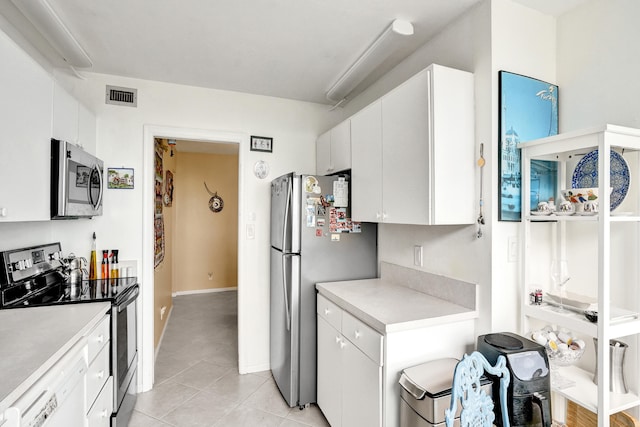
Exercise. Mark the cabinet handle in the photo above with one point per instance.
(357, 334)
(342, 344)
(104, 413)
(378, 215)
(326, 311)
(384, 215)
(337, 340)
(101, 374)
(100, 338)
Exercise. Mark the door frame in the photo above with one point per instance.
(146, 360)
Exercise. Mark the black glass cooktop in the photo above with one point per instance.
(51, 292)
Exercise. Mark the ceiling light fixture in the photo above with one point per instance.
(49, 24)
(371, 59)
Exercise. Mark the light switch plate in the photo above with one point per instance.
(251, 231)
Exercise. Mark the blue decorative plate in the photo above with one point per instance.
(585, 175)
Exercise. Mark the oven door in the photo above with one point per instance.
(125, 344)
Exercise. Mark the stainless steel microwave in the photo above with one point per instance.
(76, 182)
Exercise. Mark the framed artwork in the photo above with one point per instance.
(261, 143)
(528, 110)
(168, 190)
(120, 178)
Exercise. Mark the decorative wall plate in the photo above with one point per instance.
(215, 203)
(261, 169)
(585, 175)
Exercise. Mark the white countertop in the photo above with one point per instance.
(388, 307)
(33, 340)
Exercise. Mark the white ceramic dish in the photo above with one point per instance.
(570, 299)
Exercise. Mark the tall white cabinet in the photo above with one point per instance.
(602, 253)
(25, 108)
(412, 152)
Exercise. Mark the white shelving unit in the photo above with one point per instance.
(556, 233)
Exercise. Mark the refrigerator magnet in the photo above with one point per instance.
(335, 237)
(311, 185)
(318, 232)
(320, 222)
(341, 193)
(311, 221)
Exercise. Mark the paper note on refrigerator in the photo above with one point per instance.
(341, 193)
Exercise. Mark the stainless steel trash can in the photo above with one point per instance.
(425, 392)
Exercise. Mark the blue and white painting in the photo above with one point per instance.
(528, 111)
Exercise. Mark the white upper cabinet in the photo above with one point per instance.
(72, 121)
(25, 111)
(413, 152)
(366, 164)
(333, 150)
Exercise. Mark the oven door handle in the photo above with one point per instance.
(132, 298)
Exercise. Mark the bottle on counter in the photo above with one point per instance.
(115, 272)
(93, 262)
(105, 264)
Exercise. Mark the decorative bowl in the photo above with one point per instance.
(563, 348)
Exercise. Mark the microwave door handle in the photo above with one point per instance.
(96, 171)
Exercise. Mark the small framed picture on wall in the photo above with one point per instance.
(261, 143)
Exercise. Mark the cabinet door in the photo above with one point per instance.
(25, 108)
(323, 154)
(405, 152)
(65, 115)
(366, 164)
(361, 389)
(453, 147)
(341, 147)
(329, 373)
(86, 129)
(99, 414)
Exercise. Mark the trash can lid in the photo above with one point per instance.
(433, 379)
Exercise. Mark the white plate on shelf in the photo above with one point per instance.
(537, 213)
(560, 213)
(571, 299)
(586, 213)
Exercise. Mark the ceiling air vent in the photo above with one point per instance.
(122, 96)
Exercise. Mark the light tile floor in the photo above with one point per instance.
(196, 375)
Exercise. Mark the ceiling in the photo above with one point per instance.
(292, 49)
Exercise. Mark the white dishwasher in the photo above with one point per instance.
(56, 399)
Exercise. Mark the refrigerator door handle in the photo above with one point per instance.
(286, 294)
(286, 217)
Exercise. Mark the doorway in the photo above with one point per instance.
(147, 313)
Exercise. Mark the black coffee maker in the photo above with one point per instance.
(529, 392)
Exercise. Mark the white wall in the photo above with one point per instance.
(524, 42)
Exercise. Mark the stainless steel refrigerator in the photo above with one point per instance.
(312, 240)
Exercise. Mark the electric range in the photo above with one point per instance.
(40, 275)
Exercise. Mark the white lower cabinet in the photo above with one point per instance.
(98, 381)
(99, 414)
(349, 379)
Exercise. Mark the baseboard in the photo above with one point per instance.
(254, 368)
(204, 291)
(163, 331)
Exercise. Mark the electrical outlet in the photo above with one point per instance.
(163, 310)
(417, 255)
(210, 276)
